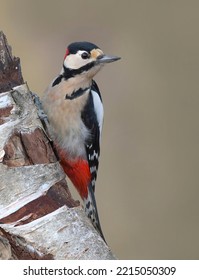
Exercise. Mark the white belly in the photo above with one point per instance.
(72, 137)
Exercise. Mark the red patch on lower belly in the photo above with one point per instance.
(78, 171)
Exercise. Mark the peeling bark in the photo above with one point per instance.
(10, 68)
(38, 217)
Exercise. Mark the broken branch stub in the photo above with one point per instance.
(10, 68)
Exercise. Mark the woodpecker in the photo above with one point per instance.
(74, 108)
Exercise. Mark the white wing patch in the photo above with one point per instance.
(98, 109)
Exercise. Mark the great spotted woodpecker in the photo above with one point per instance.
(74, 108)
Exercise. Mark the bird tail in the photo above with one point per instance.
(79, 174)
(91, 210)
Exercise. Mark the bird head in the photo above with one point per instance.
(84, 58)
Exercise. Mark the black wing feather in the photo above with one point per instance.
(93, 142)
(92, 147)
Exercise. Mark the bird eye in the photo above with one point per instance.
(85, 55)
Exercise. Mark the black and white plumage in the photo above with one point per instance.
(74, 108)
(92, 116)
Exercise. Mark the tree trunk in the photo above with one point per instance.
(38, 217)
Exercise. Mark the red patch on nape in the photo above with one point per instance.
(67, 53)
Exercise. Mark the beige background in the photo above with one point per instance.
(148, 184)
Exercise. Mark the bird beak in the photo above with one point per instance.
(106, 59)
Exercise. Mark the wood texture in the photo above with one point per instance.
(10, 69)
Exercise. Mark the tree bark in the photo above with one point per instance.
(38, 217)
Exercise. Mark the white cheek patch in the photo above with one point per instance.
(75, 61)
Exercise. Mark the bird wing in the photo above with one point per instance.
(92, 117)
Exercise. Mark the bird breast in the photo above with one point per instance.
(64, 115)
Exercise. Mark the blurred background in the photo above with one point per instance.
(148, 183)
